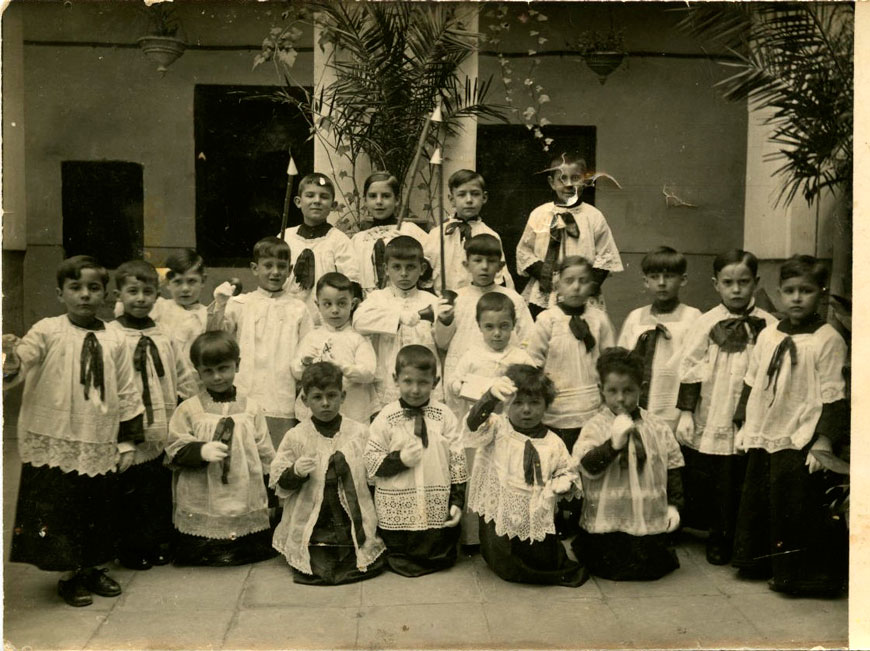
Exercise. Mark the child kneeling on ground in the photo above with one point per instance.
(328, 532)
(520, 471)
(630, 462)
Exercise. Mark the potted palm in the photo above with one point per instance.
(161, 43)
(603, 52)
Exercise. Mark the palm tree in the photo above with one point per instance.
(393, 62)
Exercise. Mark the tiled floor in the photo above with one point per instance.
(259, 607)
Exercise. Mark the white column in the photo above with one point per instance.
(14, 198)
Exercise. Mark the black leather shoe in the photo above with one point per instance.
(718, 554)
(74, 592)
(135, 562)
(97, 582)
(161, 558)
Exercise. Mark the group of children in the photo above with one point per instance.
(351, 419)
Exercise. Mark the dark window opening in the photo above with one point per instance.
(102, 210)
(510, 160)
(241, 138)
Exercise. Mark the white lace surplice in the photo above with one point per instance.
(302, 506)
(268, 328)
(163, 391)
(351, 352)
(418, 498)
(595, 243)
(58, 426)
(665, 380)
(721, 376)
(498, 490)
(478, 369)
(784, 415)
(203, 504)
(623, 498)
(568, 363)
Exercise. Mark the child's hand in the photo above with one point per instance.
(126, 460)
(823, 444)
(455, 517)
(503, 388)
(10, 359)
(561, 485)
(304, 466)
(685, 427)
(412, 453)
(409, 318)
(673, 518)
(619, 429)
(223, 292)
(445, 311)
(214, 451)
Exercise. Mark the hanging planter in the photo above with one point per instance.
(163, 50)
(161, 44)
(603, 53)
(603, 63)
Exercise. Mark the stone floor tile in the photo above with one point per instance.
(683, 622)
(456, 585)
(495, 589)
(54, 627)
(787, 621)
(28, 587)
(688, 579)
(294, 627)
(185, 588)
(271, 584)
(423, 627)
(186, 628)
(542, 623)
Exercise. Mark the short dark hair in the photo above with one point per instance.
(621, 361)
(416, 356)
(574, 261)
(182, 261)
(137, 270)
(271, 247)
(382, 177)
(403, 247)
(664, 259)
(799, 266)
(335, 280)
(321, 375)
(735, 256)
(567, 158)
(318, 179)
(214, 347)
(71, 269)
(483, 244)
(495, 302)
(461, 177)
(532, 381)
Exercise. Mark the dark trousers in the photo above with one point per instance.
(712, 485)
(785, 527)
(145, 510)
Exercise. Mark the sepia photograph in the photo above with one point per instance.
(380, 324)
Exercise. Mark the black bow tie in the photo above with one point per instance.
(785, 348)
(145, 347)
(91, 370)
(464, 227)
(417, 414)
(734, 334)
(646, 348)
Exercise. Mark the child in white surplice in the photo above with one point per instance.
(328, 532)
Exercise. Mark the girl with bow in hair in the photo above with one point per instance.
(630, 464)
(796, 413)
(521, 470)
(161, 377)
(328, 532)
(381, 193)
(714, 359)
(80, 421)
(220, 450)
